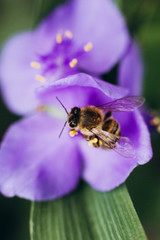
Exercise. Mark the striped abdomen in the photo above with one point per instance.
(111, 126)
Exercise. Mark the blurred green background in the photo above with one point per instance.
(143, 20)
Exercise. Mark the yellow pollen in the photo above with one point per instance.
(72, 133)
(88, 47)
(68, 34)
(59, 38)
(92, 141)
(73, 62)
(100, 142)
(40, 78)
(35, 65)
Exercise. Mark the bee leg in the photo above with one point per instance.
(87, 138)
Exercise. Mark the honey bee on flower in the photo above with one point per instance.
(41, 166)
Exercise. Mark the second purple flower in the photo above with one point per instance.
(88, 36)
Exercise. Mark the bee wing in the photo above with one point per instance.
(125, 148)
(126, 104)
(106, 137)
(123, 144)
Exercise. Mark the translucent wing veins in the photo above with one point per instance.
(126, 104)
(121, 145)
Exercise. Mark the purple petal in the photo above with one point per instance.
(131, 70)
(134, 127)
(96, 21)
(35, 163)
(17, 77)
(105, 170)
(80, 90)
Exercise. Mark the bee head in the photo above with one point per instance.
(73, 117)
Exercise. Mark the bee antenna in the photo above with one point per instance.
(62, 129)
(62, 105)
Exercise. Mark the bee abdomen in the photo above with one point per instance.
(111, 126)
(107, 115)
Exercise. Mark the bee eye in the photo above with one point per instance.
(73, 124)
(76, 110)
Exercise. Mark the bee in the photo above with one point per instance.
(98, 126)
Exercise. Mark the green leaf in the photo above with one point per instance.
(44, 7)
(87, 214)
(118, 2)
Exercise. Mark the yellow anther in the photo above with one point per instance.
(40, 78)
(92, 141)
(68, 34)
(158, 129)
(35, 65)
(73, 62)
(100, 142)
(59, 38)
(155, 121)
(72, 133)
(88, 47)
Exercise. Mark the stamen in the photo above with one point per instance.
(59, 38)
(88, 47)
(100, 142)
(156, 123)
(35, 65)
(40, 78)
(40, 108)
(73, 62)
(68, 34)
(72, 133)
(92, 141)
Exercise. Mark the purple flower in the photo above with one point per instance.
(37, 165)
(130, 73)
(88, 36)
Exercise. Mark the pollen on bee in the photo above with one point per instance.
(92, 141)
(68, 34)
(100, 142)
(40, 78)
(59, 38)
(88, 47)
(72, 133)
(35, 65)
(73, 62)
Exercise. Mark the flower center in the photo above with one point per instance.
(62, 60)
